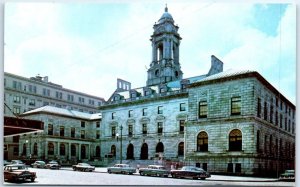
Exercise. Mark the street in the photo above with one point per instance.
(66, 176)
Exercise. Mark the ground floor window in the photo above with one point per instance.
(230, 168)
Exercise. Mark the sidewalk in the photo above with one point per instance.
(217, 177)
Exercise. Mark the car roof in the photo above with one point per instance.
(10, 165)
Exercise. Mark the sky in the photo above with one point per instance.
(87, 46)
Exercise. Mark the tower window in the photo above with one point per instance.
(176, 74)
(157, 73)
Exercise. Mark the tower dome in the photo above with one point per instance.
(166, 17)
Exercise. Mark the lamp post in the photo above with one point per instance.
(121, 128)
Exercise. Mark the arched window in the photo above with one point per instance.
(97, 151)
(160, 51)
(235, 140)
(160, 147)
(202, 141)
(35, 149)
(73, 150)
(62, 149)
(50, 149)
(181, 149)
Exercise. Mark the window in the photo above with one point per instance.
(50, 149)
(82, 134)
(17, 99)
(202, 141)
(46, 92)
(83, 124)
(276, 118)
(202, 109)
(258, 141)
(73, 132)
(271, 114)
(58, 95)
(236, 106)
(113, 131)
(35, 149)
(16, 151)
(159, 110)
(144, 128)
(159, 128)
(230, 167)
(70, 97)
(16, 110)
(31, 102)
(181, 126)
(50, 129)
(113, 115)
(97, 134)
(182, 106)
(62, 149)
(91, 102)
(280, 120)
(16, 139)
(130, 113)
(181, 149)
(271, 144)
(238, 168)
(62, 131)
(235, 140)
(258, 107)
(285, 123)
(97, 124)
(32, 89)
(265, 111)
(129, 130)
(144, 111)
(81, 100)
(73, 150)
(17, 85)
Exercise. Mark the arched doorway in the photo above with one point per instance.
(97, 151)
(35, 149)
(73, 150)
(160, 147)
(130, 152)
(50, 148)
(181, 149)
(144, 152)
(113, 150)
(83, 152)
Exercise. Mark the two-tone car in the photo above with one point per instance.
(190, 172)
(121, 168)
(154, 170)
(288, 175)
(39, 164)
(18, 173)
(83, 167)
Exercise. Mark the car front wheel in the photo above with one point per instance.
(32, 179)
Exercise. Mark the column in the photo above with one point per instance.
(46, 150)
(69, 153)
(89, 151)
(79, 151)
(58, 152)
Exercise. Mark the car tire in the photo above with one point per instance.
(142, 173)
(109, 171)
(202, 178)
(32, 179)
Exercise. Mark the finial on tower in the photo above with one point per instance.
(166, 9)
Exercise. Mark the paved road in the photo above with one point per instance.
(66, 176)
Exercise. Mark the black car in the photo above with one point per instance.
(190, 172)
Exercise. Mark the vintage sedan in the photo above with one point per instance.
(18, 173)
(154, 170)
(83, 167)
(39, 164)
(288, 175)
(190, 172)
(53, 165)
(121, 168)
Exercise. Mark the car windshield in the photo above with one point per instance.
(52, 162)
(84, 164)
(17, 167)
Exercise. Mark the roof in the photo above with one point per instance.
(64, 112)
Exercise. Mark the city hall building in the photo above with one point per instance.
(223, 121)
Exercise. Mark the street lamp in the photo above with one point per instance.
(121, 128)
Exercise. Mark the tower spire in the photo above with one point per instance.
(166, 9)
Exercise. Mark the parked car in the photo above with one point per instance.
(154, 170)
(17, 162)
(18, 173)
(190, 172)
(53, 165)
(83, 167)
(121, 168)
(288, 175)
(39, 164)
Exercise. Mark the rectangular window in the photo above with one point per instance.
(159, 128)
(17, 99)
(72, 132)
(130, 130)
(265, 111)
(230, 168)
(203, 109)
(91, 102)
(16, 151)
(31, 102)
(97, 124)
(130, 113)
(83, 124)
(280, 120)
(144, 111)
(70, 97)
(59, 95)
(144, 128)
(16, 139)
(50, 129)
(235, 105)
(82, 134)
(159, 110)
(62, 131)
(113, 131)
(113, 115)
(181, 126)
(98, 134)
(271, 114)
(16, 110)
(258, 107)
(81, 100)
(182, 106)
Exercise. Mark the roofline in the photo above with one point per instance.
(52, 86)
(254, 74)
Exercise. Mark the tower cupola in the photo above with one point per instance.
(165, 66)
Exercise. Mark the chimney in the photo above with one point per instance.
(216, 66)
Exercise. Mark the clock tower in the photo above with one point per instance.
(165, 40)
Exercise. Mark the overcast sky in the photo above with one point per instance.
(87, 46)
